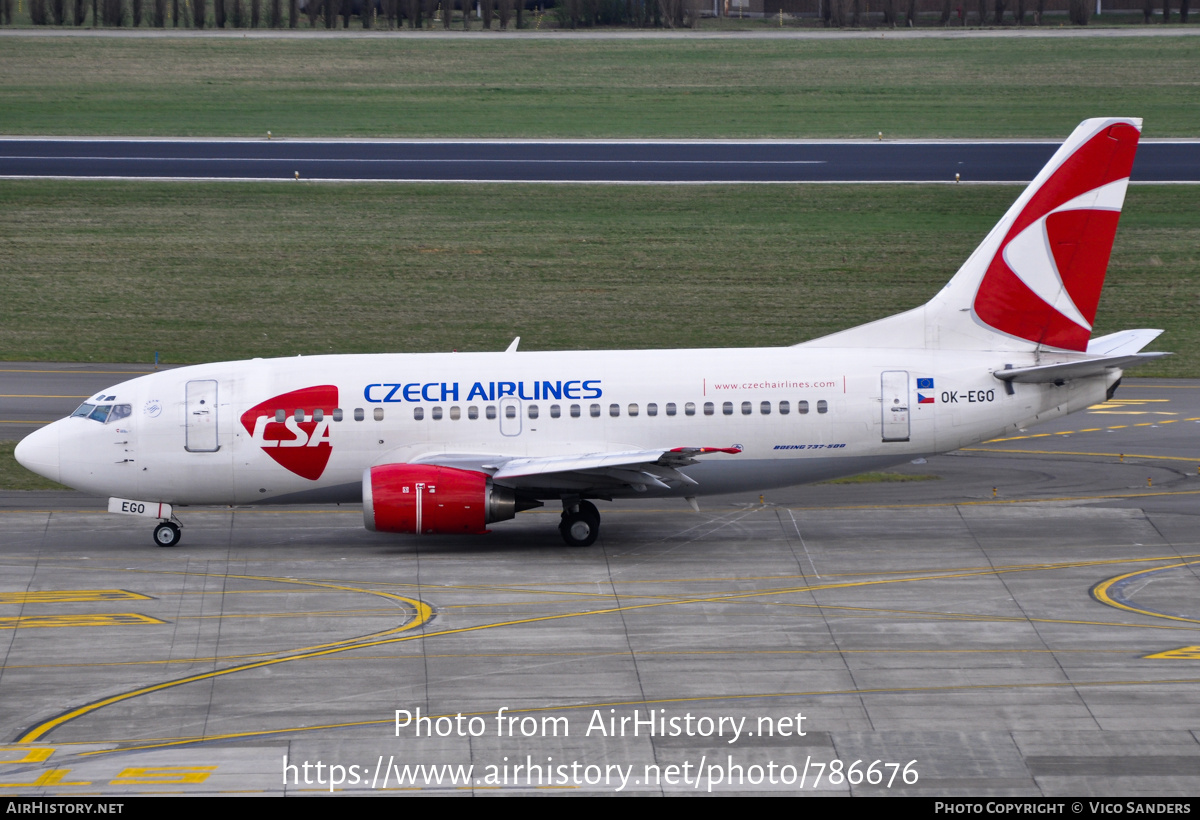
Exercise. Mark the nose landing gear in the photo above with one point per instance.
(580, 523)
(167, 534)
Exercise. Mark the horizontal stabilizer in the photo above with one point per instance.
(1123, 342)
(1065, 371)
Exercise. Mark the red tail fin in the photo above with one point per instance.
(1044, 280)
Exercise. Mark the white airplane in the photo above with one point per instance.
(452, 442)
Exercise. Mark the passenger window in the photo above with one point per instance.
(337, 414)
(378, 414)
(652, 409)
(510, 411)
(802, 407)
(784, 408)
(633, 409)
(533, 411)
(747, 408)
(491, 411)
(280, 415)
(765, 408)
(594, 410)
(822, 406)
(709, 408)
(318, 414)
(298, 415)
(727, 408)
(574, 411)
(614, 410)
(359, 415)
(437, 414)
(689, 409)
(670, 408)
(555, 411)
(455, 414)
(472, 412)
(418, 413)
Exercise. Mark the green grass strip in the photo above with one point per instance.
(703, 88)
(882, 478)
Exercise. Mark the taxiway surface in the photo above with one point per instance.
(1024, 624)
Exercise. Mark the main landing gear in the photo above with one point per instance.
(580, 523)
(167, 534)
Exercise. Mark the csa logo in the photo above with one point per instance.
(301, 446)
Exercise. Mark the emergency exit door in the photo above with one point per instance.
(894, 390)
(510, 416)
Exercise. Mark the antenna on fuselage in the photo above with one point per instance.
(512, 348)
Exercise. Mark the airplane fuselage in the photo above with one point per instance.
(303, 429)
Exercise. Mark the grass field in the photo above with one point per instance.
(109, 271)
(412, 87)
(116, 271)
(882, 478)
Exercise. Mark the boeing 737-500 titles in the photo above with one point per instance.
(453, 442)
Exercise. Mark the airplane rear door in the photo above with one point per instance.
(201, 434)
(894, 390)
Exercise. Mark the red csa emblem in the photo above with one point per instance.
(1044, 283)
(302, 446)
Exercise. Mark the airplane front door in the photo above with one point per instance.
(201, 432)
(894, 390)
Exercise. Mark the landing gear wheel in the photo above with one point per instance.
(167, 534)
(579, 529)
(581, 525)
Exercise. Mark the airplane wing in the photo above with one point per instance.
(602, 472)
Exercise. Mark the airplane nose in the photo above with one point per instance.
(38, 452)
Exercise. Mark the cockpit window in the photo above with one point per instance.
(103, 413)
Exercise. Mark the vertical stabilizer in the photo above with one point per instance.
(1035, 280)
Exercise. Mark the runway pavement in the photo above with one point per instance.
(1024, 624)
(578, 161)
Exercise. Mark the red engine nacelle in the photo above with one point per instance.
(421, 498)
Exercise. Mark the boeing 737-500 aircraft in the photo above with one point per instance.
(452, 442)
